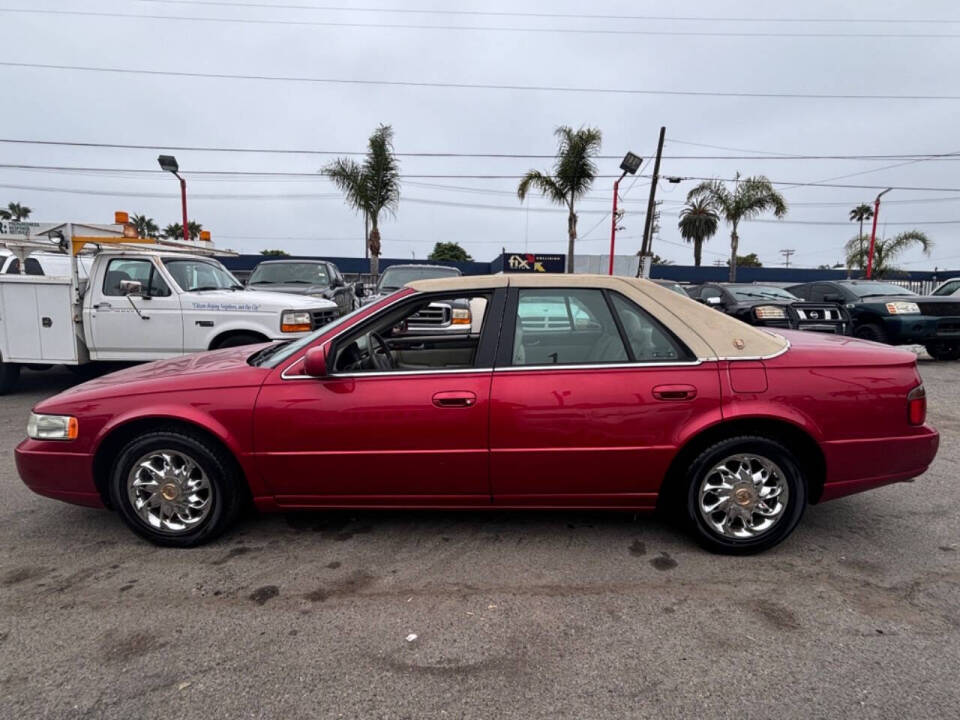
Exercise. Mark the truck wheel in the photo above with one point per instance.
(943, 350)
(238, 340)
(174, 489)
(9, 375)
(744, 495)
(871, 331)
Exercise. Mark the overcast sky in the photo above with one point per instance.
(304, 214)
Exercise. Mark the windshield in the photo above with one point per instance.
(761, 291)
(193, 275)
(276, 354)
(878, 289)
(394, 278)
(290, 273)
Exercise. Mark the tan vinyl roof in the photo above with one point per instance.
(709, 333)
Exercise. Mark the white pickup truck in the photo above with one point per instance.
(140, 305)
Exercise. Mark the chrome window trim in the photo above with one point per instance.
(600, 366)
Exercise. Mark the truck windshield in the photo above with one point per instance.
(394, 278)
(752, 292)
(877, 289)
(193, 275)
(289, 272)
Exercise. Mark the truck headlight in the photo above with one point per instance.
(295, 321)
(769, 312)
(52, 427)
(903, 308)
(460, 316)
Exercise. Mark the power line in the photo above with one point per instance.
(479, 28)
(471, 86)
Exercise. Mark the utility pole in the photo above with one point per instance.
(873, 233)
(648, 220)
(786, 256)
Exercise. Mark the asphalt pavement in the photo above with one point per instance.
(524, 614)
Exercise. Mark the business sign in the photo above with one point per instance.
(533, 263)
(15, 227)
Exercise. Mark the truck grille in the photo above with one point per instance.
(322, 317)
(432, 315)
(824, 318)
(944, 309)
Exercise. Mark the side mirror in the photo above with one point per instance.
(713, 301)
(315, 362)
(359, 290)
(336, 282)
(131, 287)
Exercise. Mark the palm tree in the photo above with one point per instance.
(750, 198)
(573, 173)
(370, 187)
(146, 226)
(885, 250)
(16, 212)
(860, 213)
(698, 223)
(174, 231)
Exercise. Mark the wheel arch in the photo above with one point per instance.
(222, 337)
(799, 441)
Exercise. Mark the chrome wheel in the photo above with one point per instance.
(743, 496)
(169, 491)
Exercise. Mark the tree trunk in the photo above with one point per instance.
(860, 242)
(734, 242)
(373, 243)
(697, 250)
(571, 237)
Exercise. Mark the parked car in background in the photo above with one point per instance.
(772, 306)
(675, 286)
(454, 317)
(312, 278)
(396, 276)
(947, 287)
(887, 313)
(644, 400)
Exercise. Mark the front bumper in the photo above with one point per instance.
(920, 329)
(47, 469)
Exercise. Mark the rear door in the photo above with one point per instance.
(589, 411)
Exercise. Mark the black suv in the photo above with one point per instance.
(887, 313)
(315, 278)
(771, 306)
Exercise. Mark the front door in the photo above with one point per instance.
(588, 405)
(135, 327)
(398, 417)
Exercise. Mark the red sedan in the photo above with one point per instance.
(560, 392)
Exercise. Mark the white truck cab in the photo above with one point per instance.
(139, 305)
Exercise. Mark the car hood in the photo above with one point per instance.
(291, 289)
(259, 300)
(824, 350)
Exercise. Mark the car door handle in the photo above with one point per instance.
(674, 393)
(454, 399)
(102, 305)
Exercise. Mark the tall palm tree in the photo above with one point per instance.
(16, 212)
(174, 231)
(885, 251)
(370, 187)
(146, 226)
(574, 171)
(750, 198)
(698, 223)
(858, 214)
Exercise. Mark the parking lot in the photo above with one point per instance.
(563, 614)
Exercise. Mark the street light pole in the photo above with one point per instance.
(168, 163)
(631, 163)
(873, 233)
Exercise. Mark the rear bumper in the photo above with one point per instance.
(857, 465)
(57, 474)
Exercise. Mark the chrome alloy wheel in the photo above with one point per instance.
(743, 496)
(169, 491)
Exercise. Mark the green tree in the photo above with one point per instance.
(698, 223)
(449, 251)
(750, 260)
(275, 253)
(370, 187)
(750, 198)
(146, 226)
(574, 171)
(860, 213)
(174, 231)
(15, 211)
(885, 251)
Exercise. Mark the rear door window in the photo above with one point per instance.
(648, 340)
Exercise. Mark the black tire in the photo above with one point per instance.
(9, 377)
(701, 469)
(238, 340)
(943, 350)
(871, 331)
(225, 497)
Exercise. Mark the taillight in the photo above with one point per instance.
(917, 405)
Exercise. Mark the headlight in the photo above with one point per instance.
(295, 321)
(52, 427)
(460, 316)
(769, 312)
(903, 308)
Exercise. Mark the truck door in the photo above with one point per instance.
(118, 330)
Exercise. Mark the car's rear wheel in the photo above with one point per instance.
(871, 331)
(175, 489)
(744, 495)
(943, 350)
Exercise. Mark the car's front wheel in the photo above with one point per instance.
(943, 350)
(175, 489)
(871, 331)
(744, 495)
